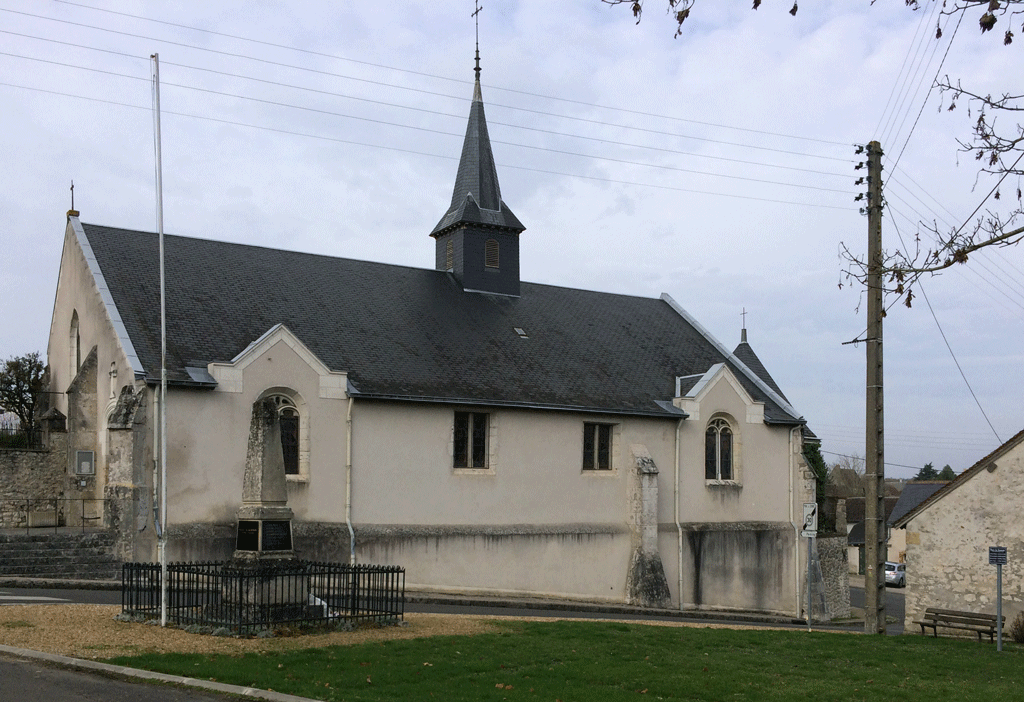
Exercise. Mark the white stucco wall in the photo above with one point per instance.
(947, 543)
(532, 522)
(77, 292)
(208, 432)
(761, 456)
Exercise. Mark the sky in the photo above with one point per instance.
(717, 167)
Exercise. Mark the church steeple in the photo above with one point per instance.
(478, 237)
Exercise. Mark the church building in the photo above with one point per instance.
(488, 434)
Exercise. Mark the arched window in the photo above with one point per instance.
(491, 253)
(718, 451)
(294, 432)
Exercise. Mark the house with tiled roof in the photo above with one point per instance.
(489, 434)
(948, 535)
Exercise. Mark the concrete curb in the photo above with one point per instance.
(121, 671)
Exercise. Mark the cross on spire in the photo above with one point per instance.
(476, 18)
(72, 212)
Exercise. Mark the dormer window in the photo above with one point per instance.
(491, 253)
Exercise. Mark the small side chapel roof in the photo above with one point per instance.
(745, 353)
(410, 334)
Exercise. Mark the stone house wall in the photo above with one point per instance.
(948, 541)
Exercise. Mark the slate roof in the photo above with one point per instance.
(407, 333)
(745, 353)
(855, 509)
(856, 535)
(476, 198)
(913, 494)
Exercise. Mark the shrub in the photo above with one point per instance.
(1017, 629)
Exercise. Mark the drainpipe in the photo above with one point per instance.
(679, 527)
(796, 529)
(348, 485)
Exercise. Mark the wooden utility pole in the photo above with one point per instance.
(874, 453)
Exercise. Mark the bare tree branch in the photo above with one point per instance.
(994, 143)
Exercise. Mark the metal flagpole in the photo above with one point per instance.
(161, 520)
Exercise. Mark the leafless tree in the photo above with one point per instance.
(996, 142)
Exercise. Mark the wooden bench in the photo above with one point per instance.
(966, 621)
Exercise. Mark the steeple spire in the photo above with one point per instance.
(478, 237)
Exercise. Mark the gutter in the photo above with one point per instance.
(796, 529)
(665, 409)
(348, 484)
(679, 527)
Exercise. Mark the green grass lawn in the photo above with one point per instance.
(591, 661)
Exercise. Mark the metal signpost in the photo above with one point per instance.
(997, 557)
(809, 531)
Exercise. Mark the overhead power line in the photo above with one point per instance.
(417, 90)
(422, 153)
(336, 57)
(894, 465)
(372, 120)
(423, 110)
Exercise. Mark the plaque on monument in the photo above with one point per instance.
(277, 536)
(248, 536)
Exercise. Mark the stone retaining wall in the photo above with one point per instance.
(832, 554)
(30, 474)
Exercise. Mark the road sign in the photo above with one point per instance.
(810, 516)
(808, 534)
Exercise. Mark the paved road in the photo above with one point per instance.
(895, 607)
(12, 596)
(31, 681)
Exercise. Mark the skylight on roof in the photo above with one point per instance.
(521, 332)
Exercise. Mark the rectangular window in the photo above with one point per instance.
(470, 440)
(597, 446)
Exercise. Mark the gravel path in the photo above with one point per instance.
(91, 632)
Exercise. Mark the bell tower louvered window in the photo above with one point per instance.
(491, 253)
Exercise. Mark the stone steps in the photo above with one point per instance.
(71, 556)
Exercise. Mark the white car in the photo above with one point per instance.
(896, 574)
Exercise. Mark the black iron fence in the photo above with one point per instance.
(52, 513)
(16, 438)
(249, 598)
